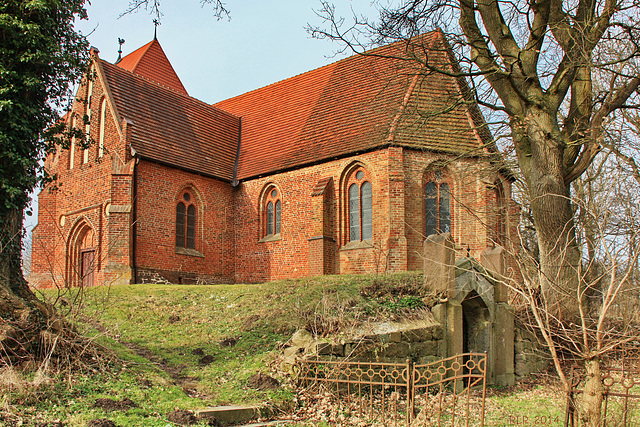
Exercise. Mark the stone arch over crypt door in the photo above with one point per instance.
(476, 324)
(81, 255)
(475, 314)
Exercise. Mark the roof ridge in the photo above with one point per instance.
(431, 34)
(396, 119)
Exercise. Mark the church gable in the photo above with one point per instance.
(150, 62)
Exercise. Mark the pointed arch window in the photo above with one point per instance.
(103, 115)
(437, 196)
(500, 227)
(87, 126)
(72, 147)
(272, 214)
(360, 207)
(186, 221)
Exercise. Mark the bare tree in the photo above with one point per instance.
(534, 63)
(605, 199)
(219, 7)
(558, 81)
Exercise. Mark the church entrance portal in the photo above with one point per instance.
(81, 255)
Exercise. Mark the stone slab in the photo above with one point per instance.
(269, 423)
(231, 414)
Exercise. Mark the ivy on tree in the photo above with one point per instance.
(41, 56)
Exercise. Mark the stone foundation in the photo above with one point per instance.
(176, 277)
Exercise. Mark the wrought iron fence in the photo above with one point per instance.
(449, 392)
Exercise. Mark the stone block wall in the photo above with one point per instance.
(530, 355)
(422, 344)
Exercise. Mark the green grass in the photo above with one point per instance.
(166, 323)
(541, 405)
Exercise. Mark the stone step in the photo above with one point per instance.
(268, 423)
(231, 414)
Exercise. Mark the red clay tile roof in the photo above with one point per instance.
(150, 61)
(172, 128)
(354, 105)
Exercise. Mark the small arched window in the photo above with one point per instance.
(186, 221)
(272, 218)
(360, 208)
(437, 196)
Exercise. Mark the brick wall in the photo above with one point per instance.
(473, 202)
(315, 218)
(157, 258)
(289, 256)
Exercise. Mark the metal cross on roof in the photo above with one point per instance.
(120, 43)
(155, 29)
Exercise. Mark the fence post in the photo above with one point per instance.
(410, 392)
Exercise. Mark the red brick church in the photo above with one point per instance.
(342, 169)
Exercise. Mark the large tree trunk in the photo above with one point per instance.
(540, 151)
(23, 317)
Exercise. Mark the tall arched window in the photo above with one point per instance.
(87, 126)
(360, 207)
(186, 221)
(72, 147)
(500, 233)
(272, 212)
(103, 114)
(437, 196)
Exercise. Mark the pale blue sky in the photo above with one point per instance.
(265, 41)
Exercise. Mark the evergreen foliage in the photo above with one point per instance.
(41, 55)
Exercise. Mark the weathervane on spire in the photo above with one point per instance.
(155, 30)
(120, 43)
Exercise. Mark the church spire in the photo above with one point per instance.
(155, 29)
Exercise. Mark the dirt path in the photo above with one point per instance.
(188, 384)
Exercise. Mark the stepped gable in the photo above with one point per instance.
(151, 62)
(354, 105)
(171, 128)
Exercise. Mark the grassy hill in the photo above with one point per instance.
(189, 347)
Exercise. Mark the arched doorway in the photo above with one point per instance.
(476, 324)
(81, 255)
(476, 328)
